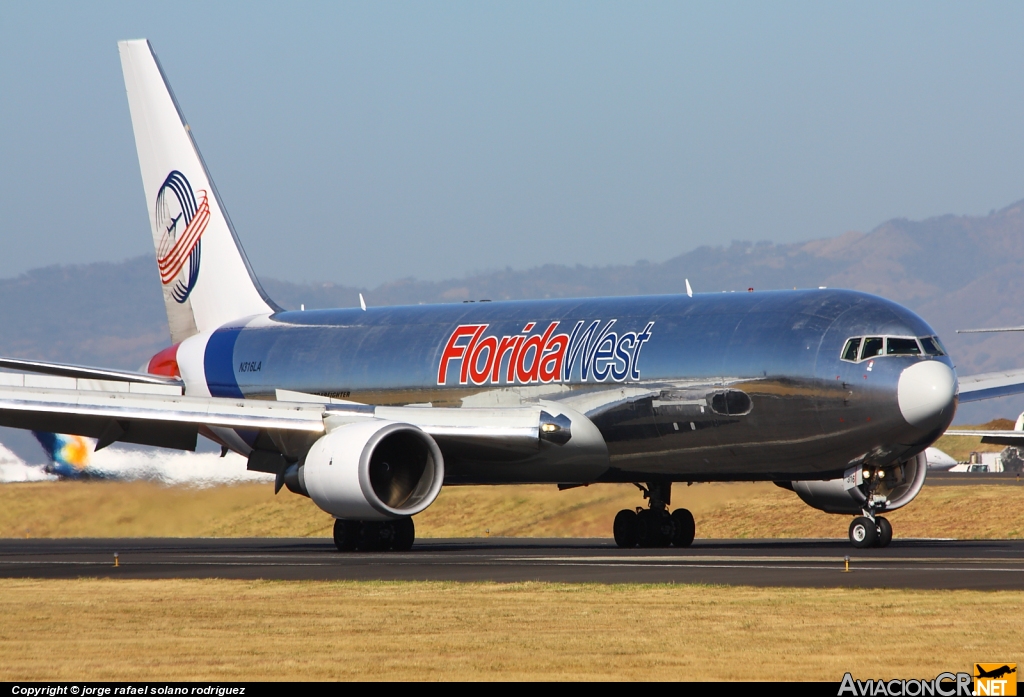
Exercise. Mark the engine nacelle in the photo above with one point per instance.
(373, 470)
(896, 487)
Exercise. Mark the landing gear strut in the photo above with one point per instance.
(654, 526)
(373, 536)
(870, 531)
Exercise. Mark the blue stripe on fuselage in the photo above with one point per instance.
(219, 363)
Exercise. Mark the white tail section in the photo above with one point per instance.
(207, 281)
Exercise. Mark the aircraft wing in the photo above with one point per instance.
(990, 385)
(155, 414)
(138, 412)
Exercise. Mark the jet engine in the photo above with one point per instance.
(877, 489)
(371, 470)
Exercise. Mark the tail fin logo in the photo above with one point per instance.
(183, 216)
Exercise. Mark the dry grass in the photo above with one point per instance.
(143, 509)
(244, 630)
(111, 509)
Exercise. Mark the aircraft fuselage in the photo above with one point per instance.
(711, 387)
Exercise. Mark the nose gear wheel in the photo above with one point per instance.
(884, 529)
(863, 532)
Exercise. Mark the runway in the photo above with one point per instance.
(933, 564)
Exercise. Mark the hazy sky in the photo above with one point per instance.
(366, 142)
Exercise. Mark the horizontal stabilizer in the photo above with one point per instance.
(84, 372)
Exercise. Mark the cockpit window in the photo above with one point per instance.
(932, 347)
(872, 347)
(861, 348)
(901, 346)
(850, 350)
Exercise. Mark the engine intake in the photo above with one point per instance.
(373, 470)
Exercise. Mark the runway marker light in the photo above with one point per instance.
(116, 560)
(847, 560)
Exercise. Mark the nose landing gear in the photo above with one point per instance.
(654, 526)
(870, 531)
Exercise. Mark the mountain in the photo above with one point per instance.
(956, 271)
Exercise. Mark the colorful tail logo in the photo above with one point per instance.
(184, 217)
(69, 455)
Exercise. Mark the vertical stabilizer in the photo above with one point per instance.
(207, 281)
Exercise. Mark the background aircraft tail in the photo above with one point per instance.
(69, 455)
(206, 278)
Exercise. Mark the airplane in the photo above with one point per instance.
(938, 460)
(68, 454)
(995, 673)
(369, 411)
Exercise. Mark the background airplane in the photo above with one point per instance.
(938, 460)
(74, 458)
(68, 455)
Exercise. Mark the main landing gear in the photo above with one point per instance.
(374, 536)
(654, 526)
(865, 532)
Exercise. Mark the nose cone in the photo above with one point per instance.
(925, 394)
